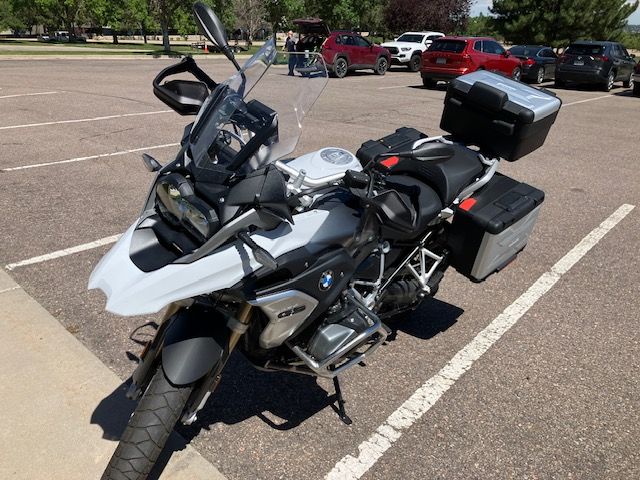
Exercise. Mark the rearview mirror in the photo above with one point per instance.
(506, 53)
(151, 163)
(212, 27)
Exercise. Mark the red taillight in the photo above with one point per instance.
(602, 58)
(529, 62)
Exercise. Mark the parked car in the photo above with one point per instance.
(407, 48)
(635, 80)
(538, 62)
(602, 63)
(342, 51)
(450, 57)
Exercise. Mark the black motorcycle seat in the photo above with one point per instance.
(448, 176)
(424, 200)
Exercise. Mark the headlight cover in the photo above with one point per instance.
(177, 203)
(405, 49)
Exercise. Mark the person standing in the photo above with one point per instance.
(290, 46)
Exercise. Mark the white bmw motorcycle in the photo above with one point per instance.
(297, 262)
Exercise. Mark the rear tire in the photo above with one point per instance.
(608, 85)
(429, 82)
(148, 430)
(636, 89)
(382, 65)
(540, 75)
(629, 82)
(559, 83)
(415, 63)
(340, 68)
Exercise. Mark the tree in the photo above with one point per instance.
(120, 15)
(281, 13)
(449, 16)
(480, 26)
(560, 22)
(62, 13)
(165, 11)
(250, 16)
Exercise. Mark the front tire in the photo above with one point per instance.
(628, 83)
(540, 75)
(382, 65)
(148, 430)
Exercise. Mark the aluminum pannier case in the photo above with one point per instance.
(503, 117)
(492, 226)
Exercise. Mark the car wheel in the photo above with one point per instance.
(415, 63)
(429, 82)
(636, 89)
(516, 74)
(559, 83)
(381, 66)
(340, 68)
(629, 82)
(540, 75)
(609, 83)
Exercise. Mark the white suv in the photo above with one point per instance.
(407, 48)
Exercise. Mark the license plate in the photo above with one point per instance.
(578, 62)
(441, 60)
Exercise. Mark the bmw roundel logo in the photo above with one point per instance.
(326, 280)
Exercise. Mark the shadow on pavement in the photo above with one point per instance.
(281, 400)
(431, 318)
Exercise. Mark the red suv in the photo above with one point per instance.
(341, 50)
(449, 57)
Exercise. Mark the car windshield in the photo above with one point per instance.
(454, 46)
(524, 51)
(581, 49)
(410, 38)
(255, 117)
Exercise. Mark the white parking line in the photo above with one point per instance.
(587, 100)
(91, 157)
(28, 94)
(80, 120)
(10, 289)
(65, 252)
(371, 450)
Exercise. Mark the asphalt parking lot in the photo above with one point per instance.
(556, 396)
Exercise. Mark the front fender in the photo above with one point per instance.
(194, 344)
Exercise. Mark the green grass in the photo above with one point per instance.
(149, 53)
(123, 48)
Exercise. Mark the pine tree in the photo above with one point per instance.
(559, 22)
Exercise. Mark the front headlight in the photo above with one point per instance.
(405, 49)
(177, 203)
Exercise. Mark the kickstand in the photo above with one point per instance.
(341, 411)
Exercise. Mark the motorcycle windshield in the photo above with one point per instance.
(255, 117)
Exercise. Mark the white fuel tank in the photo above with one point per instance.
(325, 162)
